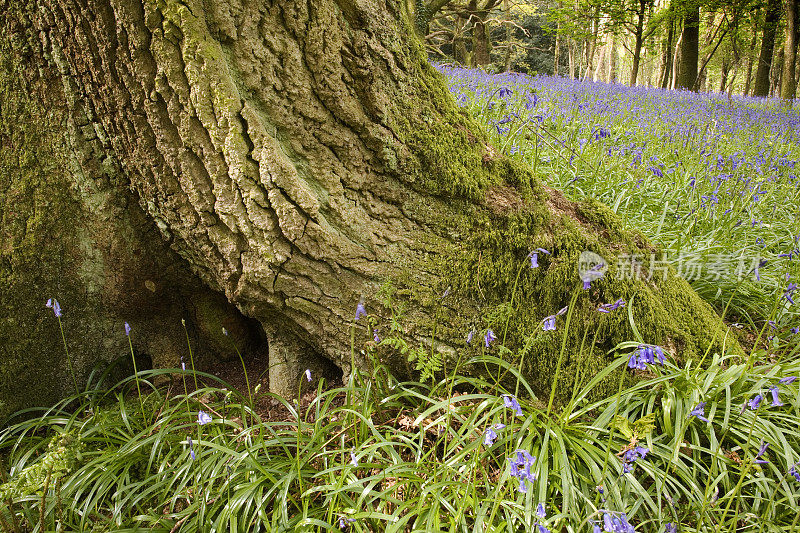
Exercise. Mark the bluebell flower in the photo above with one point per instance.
(776, 401)
(762, 450)
(489, 436)
(591, 275)
(344, 522)
(203, 418)
(375, 336)
(470, 335)
(761, 263)
(360, 311)
(794, 473)
(755, 402)
(191, 449)
(489, 337)
(183, 365)
(540, 512)
(521, 468)
(607, 308)
(308, 374)
(792, 287)
(224, 331)
(505, 91)
(512, 403)
(699, 412)
(549, 323)
(53, 304)
(534, 255)
(127, 329)
(645, 354)
(787, 380)
(670, 528)
(631, 456)
(353, 459)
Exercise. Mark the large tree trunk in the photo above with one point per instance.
(294, 157)
(772, 16)
(788, 80)
(748, 70)
(687, 76)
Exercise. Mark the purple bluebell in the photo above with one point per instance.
(308, 375)
(183, 365)
(345, 522)
(127, 329)
(504, 92)
(790, 290)
(761, 451)
(607, 308)
(360, 311)
(549, 323)
(534, 255)
(203, 418)
(53, 304)
(521, 468)
(787, 380)
(489, 337)
(470, 335)
(375, 336)
(646, 354)
(191, 449)
(224, 331)
(670, 528)
(591, 275)
(794, 473)
(776, 401)
(353, 458)
(755, 402)
(512, 403)
(489, 436)
(540, 512)
(699, 412)
(631, 456)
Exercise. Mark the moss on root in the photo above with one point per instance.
(505, 215)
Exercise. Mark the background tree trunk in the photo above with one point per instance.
(788, 80)
(294, 157)
(687, 76)
(772, 16)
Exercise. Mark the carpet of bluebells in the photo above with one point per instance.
(701, 445)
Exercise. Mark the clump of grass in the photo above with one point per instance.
(458, 453)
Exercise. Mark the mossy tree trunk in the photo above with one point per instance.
(295, 156)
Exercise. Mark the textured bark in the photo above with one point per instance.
(294, 156)
(771, 18)
(788, 80)
(687, 75)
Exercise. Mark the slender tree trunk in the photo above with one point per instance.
(612, 60)
(676, 63)
(788, 80)
(772, 16)
(689, 48)
(666, 57)
(748, 70)
(293, 157)
(637, 42)
(557, 49)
